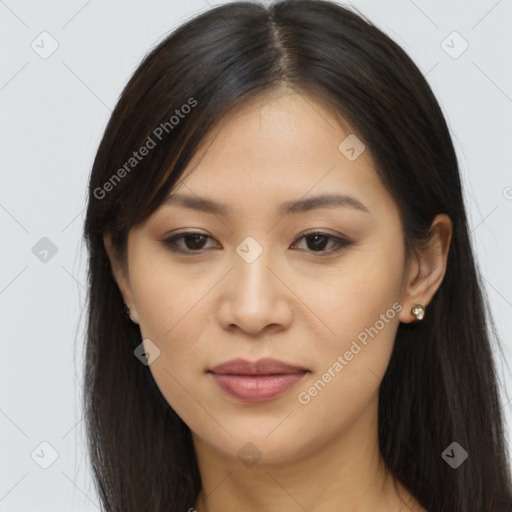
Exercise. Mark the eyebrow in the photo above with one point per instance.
(298, 206)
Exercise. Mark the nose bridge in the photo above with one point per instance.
(252, 272)
(253, 298)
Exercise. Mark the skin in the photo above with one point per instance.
(294, 303)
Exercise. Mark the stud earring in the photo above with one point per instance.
(418, 311)
(128, 311)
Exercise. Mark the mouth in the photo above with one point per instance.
(257, 381)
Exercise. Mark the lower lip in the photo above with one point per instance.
(257, 388)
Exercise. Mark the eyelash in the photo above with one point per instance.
(341, 243)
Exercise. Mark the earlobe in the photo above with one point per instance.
(129, 314)
(120, 276)
(428, 270)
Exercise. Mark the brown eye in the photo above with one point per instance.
(193, 242)
(317, 241)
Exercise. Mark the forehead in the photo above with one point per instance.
(279, 148)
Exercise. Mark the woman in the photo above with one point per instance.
(284, 306)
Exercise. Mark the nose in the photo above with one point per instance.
(255, 298)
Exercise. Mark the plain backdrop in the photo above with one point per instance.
(54, 107)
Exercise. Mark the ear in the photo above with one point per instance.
(120, 273)
(427, 268)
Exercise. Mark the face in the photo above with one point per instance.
(319, 289)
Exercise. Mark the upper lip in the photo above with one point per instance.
(265, 366)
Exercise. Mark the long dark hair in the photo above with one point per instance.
(441, 384)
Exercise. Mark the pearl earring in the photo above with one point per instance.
(128, 311)
(418, 311)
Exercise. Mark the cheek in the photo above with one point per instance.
(166, 298)
(172, 310)
(361, 308)
(176, 322)
(173, 323)
(361, 298)
(350, 363)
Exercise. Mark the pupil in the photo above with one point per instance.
(196, 239)
(316, 237)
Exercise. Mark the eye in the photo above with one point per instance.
(195, 242)
(318, 241)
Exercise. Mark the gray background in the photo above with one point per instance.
(54, 110)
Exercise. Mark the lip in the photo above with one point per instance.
(256, 381)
